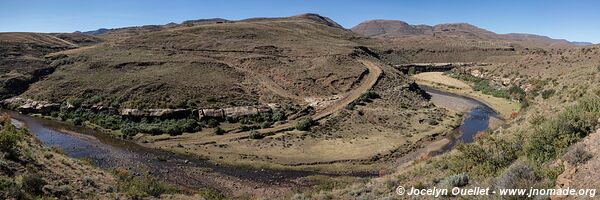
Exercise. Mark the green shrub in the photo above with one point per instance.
(278, 116)
(266, 125)
(210, 194)
(8, 188)
(553, 136)
(129, 130)
(76, 102)
(89, 181)
(255, 135)
(212, 123)
(172, 127)
(9, 140)
(548, 93)
(412, 71)
(63, 191)
(245, 128)
(77, 121)
(304, 124)
(486, 157)
(484, 87)
(218, 131)
(139, 187)
(33, 184)
(456, 180)
(517, 93)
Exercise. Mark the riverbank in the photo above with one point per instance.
(188, 172)
(437, 80)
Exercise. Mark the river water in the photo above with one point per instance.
(477, 116)
(108, 152)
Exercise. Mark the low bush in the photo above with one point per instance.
(9, 140)
(8, 188)
(211, 123)
(255, 135)
(33, 184)
(577, 155)
(266, 125)
(278, 116)
(457, 180)
(77, 121)
(304, 124)
(486, 157)
(139, 187)
(172, 127)
(554, 136)
(518, 175)
(548, 93)
(218, 131)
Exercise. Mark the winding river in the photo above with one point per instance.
(190, 172)
(477, 116)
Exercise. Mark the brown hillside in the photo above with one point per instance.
(22, 57)
(458, 34)
(248, 62)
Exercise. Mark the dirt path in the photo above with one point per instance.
(369, 81)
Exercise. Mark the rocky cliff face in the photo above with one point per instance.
(232, 112)
(29, 105)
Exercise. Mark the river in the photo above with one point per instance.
(190, 172)
(477, 116)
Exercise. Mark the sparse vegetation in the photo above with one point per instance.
(577, 155)
(368, 96)
(548, 93)
(211, 123)
(457, 180)
(555, 135)
(139, 187)
(10, 138)
(218, 131)
(255, 135)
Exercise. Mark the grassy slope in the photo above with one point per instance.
(531, 150)
(22, 57)
(209, 65)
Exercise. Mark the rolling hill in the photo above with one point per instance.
(22, 59)
(449, 34)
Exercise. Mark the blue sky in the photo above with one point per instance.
(572, 20)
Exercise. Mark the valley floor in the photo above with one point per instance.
(438, 80)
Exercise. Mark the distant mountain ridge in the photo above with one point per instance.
(390, 29)
(582, 43)
(306, 16)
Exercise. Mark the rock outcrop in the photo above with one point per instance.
(232, 112)
(30, 106)
(156, 113)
